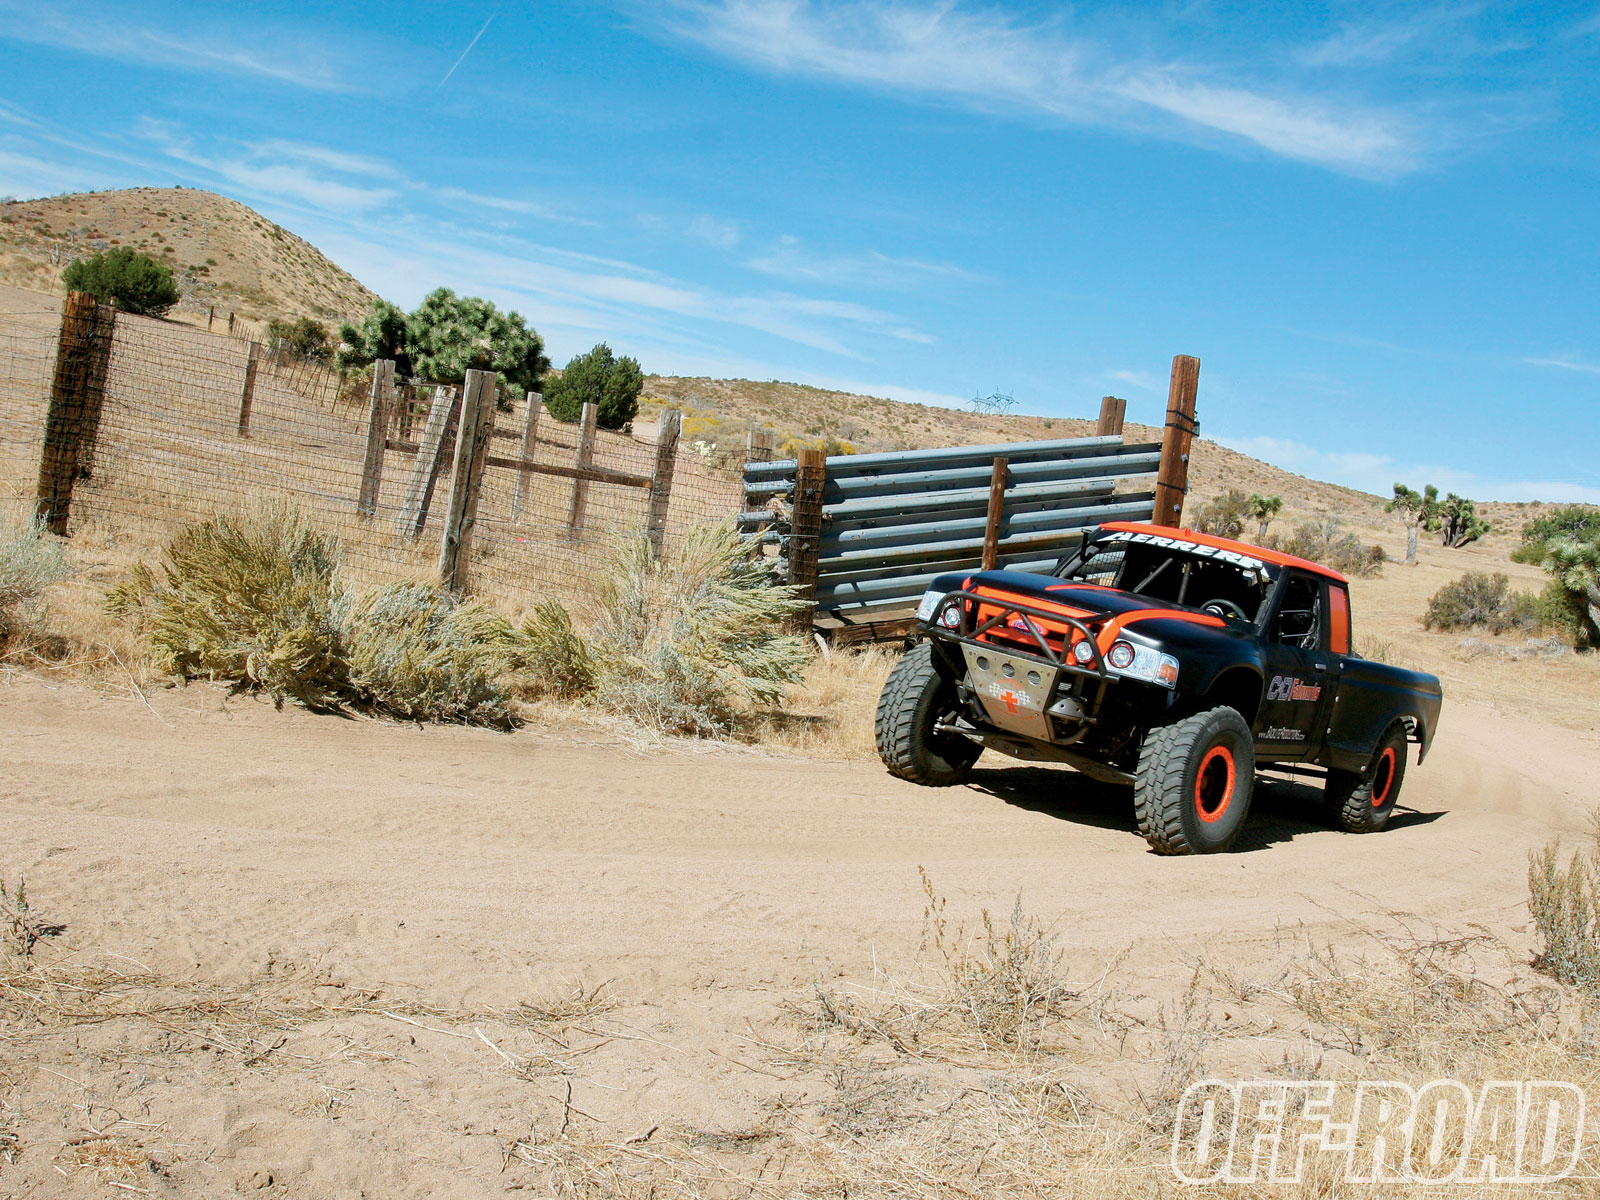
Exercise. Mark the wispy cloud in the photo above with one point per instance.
(791, 260)
(323, 178)
(94, 31)
(1142, 380)
(1377, 473)
(989, 60)
(723, 235)
(1566, 362)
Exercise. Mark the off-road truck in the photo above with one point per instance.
(1173, 661)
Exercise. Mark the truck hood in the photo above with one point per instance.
(1105, 610)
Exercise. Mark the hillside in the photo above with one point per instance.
(721, 411)
(221, 252)
(728, 407)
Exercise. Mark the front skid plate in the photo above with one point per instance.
(1014, 691)
(1029, 751)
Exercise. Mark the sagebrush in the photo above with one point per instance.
(680, 641)
(1564, 900)
(30, 561)
(1328, 542)
(415, 651)
(1479, 600)
(255, 599)
(250, 598)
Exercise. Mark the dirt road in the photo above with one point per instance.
(209, 839)
(461, 861)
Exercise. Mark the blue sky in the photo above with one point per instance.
(1377, 225)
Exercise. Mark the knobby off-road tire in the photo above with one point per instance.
(916, 695)
(1364, 804)
(1192, 788)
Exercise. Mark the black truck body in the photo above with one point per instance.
(1145, 630)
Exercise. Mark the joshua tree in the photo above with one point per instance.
(1575, 565)
(1420, 509)
(1263, 509)
(1459, 521)
(385, 332)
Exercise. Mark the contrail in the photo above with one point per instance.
(467, 51)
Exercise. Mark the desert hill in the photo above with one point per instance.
(221, 252)
(722, 409)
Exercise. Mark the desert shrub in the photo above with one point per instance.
(1564, 901)
(1224, 515)
(30, 561)
(552, 653)
(301, 338)
(680, 640)
(1581, 521)
(1479, 600)
(1329, 543)
(250, 598)
(600, 378)
(415, 651)
(828, 444)
(134, 282)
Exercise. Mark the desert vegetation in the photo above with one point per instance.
(302, 338)
(122, 277)
(30, 562)
(447, 336)
(600, 378)
(687, 642)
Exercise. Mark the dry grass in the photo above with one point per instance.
(829, 713)
(982, 1072)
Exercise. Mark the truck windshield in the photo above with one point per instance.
(1230, 585)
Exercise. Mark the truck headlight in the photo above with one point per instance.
(930, 601)
(1144, 663)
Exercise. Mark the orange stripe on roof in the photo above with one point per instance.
(1276, 557)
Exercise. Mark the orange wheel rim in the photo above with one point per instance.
(1383, 778)
(1214, 784)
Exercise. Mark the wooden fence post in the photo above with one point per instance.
(1112, 411)
(805, 533)
(583, 460)
(997, 505)
(466, 477)
(425, 470)
(377, 431)
(530, 443)
(759, 445)
(248, 396)
(1172, 478)
(655, 521)
(77, 395)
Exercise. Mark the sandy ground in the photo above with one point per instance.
(215, 841)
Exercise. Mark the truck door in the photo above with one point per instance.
(1297, 692)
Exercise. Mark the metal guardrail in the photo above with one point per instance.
(887, 524)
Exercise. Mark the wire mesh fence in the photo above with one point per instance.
(193, 423)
